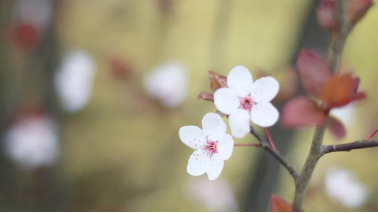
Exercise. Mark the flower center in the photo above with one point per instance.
(211, 147)
(246, 103)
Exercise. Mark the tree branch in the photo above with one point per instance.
(276, 155)
(335, 54)
(347, 147)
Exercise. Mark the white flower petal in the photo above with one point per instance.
(215, 167)
(213, 126)
(198, 163)
(225, 147)
(239, 123)
(226, 101)
(264, 114)
(264, 89)
(240, 80)
(192, 136)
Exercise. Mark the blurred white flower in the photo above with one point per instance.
(245, 100)
(168, 83)
(212, 146)
(36, 12)
(341, 186)
(32, 142)
(74, 80)
(215, 195)
(346, 114)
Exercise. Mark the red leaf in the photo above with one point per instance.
(278, 204)
(340, 90)
(356, 9)
(120, 68)
(216, 80)
(205, 96)
(302, 112)
(25, 35)
(326, 14)
(313, 71)
(336, 128)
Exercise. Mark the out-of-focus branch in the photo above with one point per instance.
(335, 54)
(276, 155)
(347, 147)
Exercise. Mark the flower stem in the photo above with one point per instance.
(371, 135)
(270, 140)
(248, 144)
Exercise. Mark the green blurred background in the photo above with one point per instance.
(120, 150)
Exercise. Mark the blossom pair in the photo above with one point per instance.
(242, 100)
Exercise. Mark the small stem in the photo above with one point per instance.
(347, 147)
(371, 135)
(248, 144)
(270, 140)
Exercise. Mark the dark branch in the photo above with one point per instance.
(275, 154)
(347, 147)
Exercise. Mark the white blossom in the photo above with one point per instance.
(212, 146)
(168, 83)
(74, 80)
(215, 195)
(245, 100)
(32, 142)
(341, 186)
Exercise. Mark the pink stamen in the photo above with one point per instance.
(246, 103)
(211, 147)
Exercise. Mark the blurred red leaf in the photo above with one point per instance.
(120, 68)
(278, 204)
(302, 111)
(205, 96)
(24, 35)
(336, 127)
(337, 91)
(326, 14)
(340, 90)
(216, 80)
(357, 9)
(313, 71)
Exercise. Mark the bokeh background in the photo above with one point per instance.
(93, 92)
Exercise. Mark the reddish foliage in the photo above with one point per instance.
(24, 35)
(205, 96)
(120, 68)
(302, 111)
(216, 80)
(278, 204)
(312, 70)
(355, 11)
(329, 90)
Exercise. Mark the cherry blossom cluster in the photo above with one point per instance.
(241, 100)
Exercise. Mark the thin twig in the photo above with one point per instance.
(248, 144)
(371, 135)
(270, 139)
(275, 154)
(347, 147)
